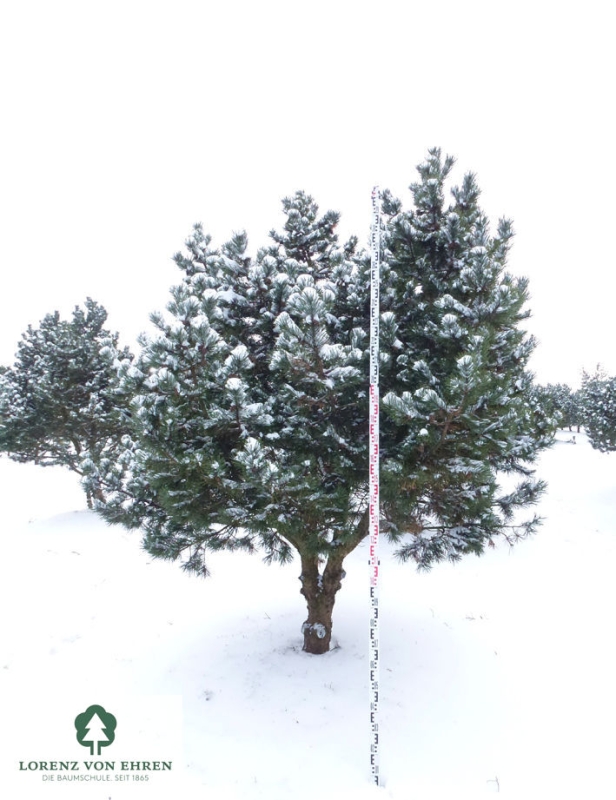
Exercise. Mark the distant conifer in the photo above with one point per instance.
(60, 402)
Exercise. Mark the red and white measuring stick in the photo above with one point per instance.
(373, 483)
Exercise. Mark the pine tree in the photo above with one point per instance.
(60, 402)
(562, 403)
(250, 402)
(598, 395)
(551, 398)
(573, 409)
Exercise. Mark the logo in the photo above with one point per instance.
(95, 729)
(150, 725)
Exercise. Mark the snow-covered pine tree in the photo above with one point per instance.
(251, 399)
(560, 402)
(550, 398)
(573, 411)
(598, 400)
(459, 409)
(563, 401)
(60, 402)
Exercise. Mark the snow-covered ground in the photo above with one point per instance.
(497, 674)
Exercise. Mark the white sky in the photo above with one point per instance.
(123, 123)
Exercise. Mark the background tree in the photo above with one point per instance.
(599, 409)
(547, 416)
(561, 402)
(573, 410)
(250, 402)
(60, 402)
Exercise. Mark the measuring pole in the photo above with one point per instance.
(373, 483)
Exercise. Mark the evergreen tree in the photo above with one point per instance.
(60, 402)
(551, 398)
(251, 401)
(568, 405)
(562, 403)
(599, 409)
(573, 409)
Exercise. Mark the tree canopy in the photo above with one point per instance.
(599, 404)
(60, 402)
(250, 400)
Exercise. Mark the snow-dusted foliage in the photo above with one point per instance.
(459, 406)
(560, 402)
(250, 400)
(598, 395)
(60, 402)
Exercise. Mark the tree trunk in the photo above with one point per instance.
(320, 593)
(97, 494)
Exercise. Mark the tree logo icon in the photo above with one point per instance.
(95, 729)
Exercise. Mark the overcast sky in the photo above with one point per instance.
(123, 123)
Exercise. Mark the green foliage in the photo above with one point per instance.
(560, 402)
(60, 402)
(599, 409)
(573, 410)
(250, 400)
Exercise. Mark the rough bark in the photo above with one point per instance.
(97, 494)
(320, 590)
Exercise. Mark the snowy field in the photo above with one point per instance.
(497, 673)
